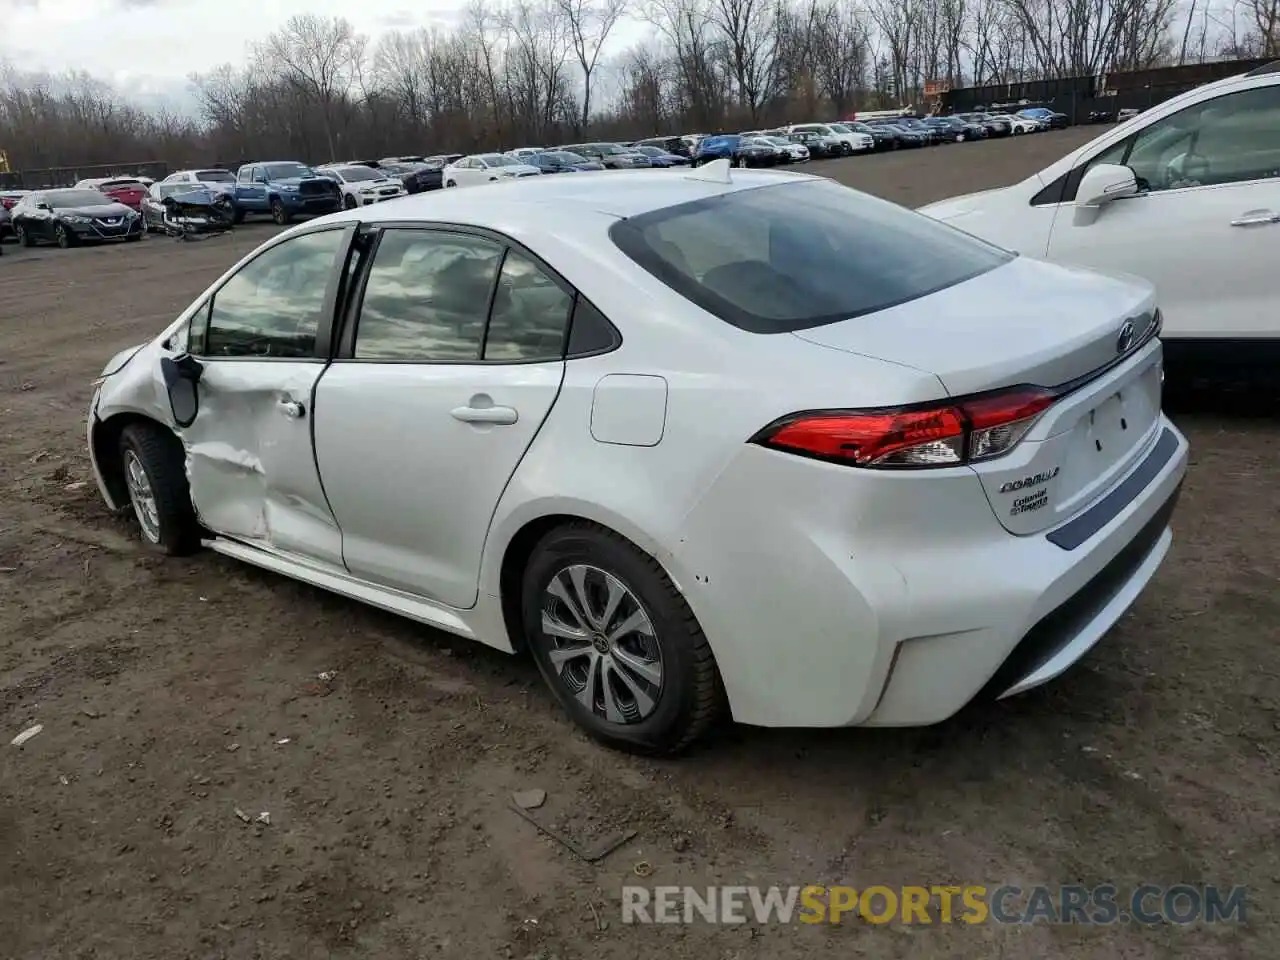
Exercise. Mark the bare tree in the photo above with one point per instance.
(750, 35)
(321, 57)
(589, 24)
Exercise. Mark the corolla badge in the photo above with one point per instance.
(1044, 476)
(1126, 338)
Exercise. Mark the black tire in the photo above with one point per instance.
(690, 699)
(25, 239)
(162, 458)
(278, 213)
(63, 236)
(237, 215)
(349, 202)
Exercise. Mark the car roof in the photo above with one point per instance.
(523, 203)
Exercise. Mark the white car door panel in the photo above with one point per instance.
(454, 363)
(1229, 291)
(250, 460)
(414, 458)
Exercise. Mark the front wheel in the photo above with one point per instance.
(278, 213)
(617, 643)
(154, 467)
(349, 202)
(63, 236)
(742, 162)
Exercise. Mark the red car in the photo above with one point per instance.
(9, 197)
(126, 190)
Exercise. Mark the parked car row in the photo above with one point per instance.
(127, 207)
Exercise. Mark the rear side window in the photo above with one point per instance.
(790, 257)
(529, 316)
(427, 297)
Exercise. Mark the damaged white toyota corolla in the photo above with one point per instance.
(759, 442)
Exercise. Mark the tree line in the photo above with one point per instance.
(540, 72)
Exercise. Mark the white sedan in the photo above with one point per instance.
(1017, 125)
(362, 185)
(749, 440)
(482, 168)
(1185, 195)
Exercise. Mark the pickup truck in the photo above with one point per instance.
(284, 189)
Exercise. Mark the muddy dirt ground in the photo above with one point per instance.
(167, 690)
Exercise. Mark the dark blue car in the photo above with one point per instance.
(562, 161)
(739, 151)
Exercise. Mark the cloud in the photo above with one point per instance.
(397, 20)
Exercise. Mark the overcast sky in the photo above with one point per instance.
(146, 48)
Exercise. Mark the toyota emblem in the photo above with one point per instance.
(1125, 340)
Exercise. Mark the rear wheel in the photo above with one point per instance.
(155, 475)
(617, 643)
(24, 239)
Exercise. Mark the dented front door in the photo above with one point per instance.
(249, 457)
(259, 347)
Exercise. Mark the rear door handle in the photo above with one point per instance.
(502, 415)
(1256, 218)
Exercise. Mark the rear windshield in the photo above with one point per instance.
(781, 258)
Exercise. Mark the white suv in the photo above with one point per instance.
(853, 141)
(1186, 195)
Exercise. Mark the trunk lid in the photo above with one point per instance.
(1024, 322)
(1030, 322)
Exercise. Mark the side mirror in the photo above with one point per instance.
(1100, 185)
(181, 374)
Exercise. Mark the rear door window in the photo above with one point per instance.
(790, 257)
(427, 297)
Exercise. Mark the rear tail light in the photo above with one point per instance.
(942, 434)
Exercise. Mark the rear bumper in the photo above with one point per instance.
(896, 600)
(1088, 571)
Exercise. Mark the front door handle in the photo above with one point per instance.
(501, 415)
(291, 409)
(1256, 218)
